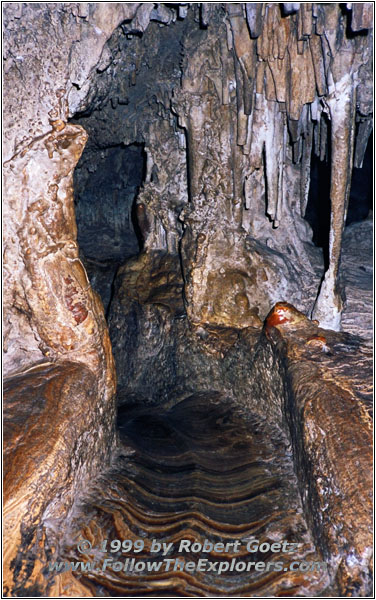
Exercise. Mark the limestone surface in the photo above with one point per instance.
(164, 228)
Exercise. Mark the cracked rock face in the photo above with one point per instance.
(158, 174)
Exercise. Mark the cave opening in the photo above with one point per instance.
(106, 184)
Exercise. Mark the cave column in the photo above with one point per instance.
(328, 306)
(342, 62)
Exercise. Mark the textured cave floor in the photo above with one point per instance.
(203, 469)
(357, 278)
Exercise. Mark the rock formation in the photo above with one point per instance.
(159, 185)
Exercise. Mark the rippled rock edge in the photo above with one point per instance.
(327, 397)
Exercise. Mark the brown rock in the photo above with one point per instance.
(329, 411)
(58, 432)
(224, 102)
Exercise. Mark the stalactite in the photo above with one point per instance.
(274, 149)
(244, 66)
(306, 162)
(254, 13)
(224, 72)
(362, 16)
(295, 51)
(318, 64)
(301, 87)
(205, 13)
(305, 20)
(291, 7)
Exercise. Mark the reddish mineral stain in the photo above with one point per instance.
(281, 313)
(78, 309)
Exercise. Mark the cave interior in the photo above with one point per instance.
(188, 244)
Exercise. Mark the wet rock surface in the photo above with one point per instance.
(329, 409)
(159, 355)
(52, 449)
(248, 424)
(202, 119)
(202, 469)
(272, 420)
(296, 435)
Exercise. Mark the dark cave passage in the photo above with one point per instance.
(106, 184)
(318, 206)
(120, 157)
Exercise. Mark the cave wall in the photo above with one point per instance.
(275, 83)
(235, 134)
(43, 89)
(51, 315)
(266, 86)
(227, 102)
